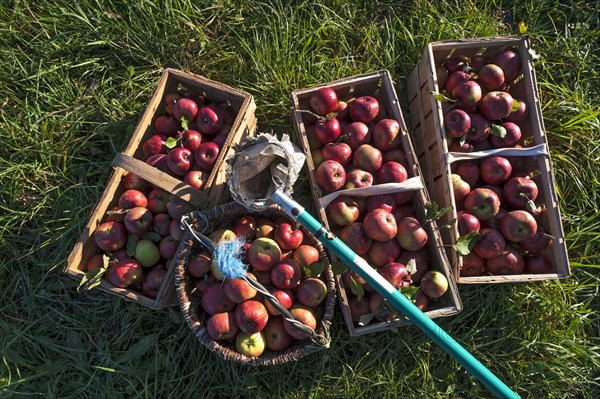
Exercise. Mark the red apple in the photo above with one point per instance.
(263, 254)
(206, 156)
(324, 101)
(364, 109)
(483, 203)
(509, 61)
(196, 178)
(328, 131)
(490, 244)
(491, 77)
(180, 160)
(159, 161)
(95, 261)
(340, 152)
(266, 228)
(132, 198)
(276, 337)
(460, 188)
(175, 229)
(472, 265)
(138, 220)
(380, 225)
(496, 105)
(185, 107)
(383, 252)
(454, 64)
(305, 255)
(381, 309)
(251, 316)
(420, 259)
(495, 170)
(469, 172)
(304, 316)
(512, 137)
(177, 207)
(156, 144)
(457, 123)
(199, 264)
(367, 157)
(535, 264)
(222, 327)
(245, 225)
(479, 130)
(168, 247)
(356, 134)
(357, 178)
(343, 210)
(518, 190)
(154, 281)
(166, 125)
(391, 172)
(191, 139)
(215, 301)
(411, 235)
(238, 290)
(311, 292)
(124, 273)
(286, 274)
(208, 120)
(396, 274)
(384, 201)
(356, 238)
(131, 181)
(520, 114)
(110, 236)
(477, 63)
(288, 237)
(538, 242)
(158, 200)
(386, 135)
(518, 226)
(467, 223)
(455, 79)
(396, 155)
(284, 297)
(469, 93)
(331, 175)
(509, 261)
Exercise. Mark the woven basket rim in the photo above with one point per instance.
(298, 349)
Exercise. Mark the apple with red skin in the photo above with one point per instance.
(396, 274)
(288, 237)
(495, 221)
(224, 110)
(215, 301)
(206, 155)
(460, 188)
(421, 300)
(169, 101)
(538, 242)
(343, 210)
(168, 247)
(305, 255)
(357, 178)
(518, 225)
(359, 307)
(384, 201)
(340, 152)
(342, 111)
(311, 292)
(286, 274)
(434, 284)
(383, 252)
(510, 261)
(454, 64)
(222, 327)
(185, 107)
(491, 77)
(202, 284)
(124, 273)
(391, 172)
(276, 337)
(166, 125)
(328, 130)
(381, 309)
(132, 198)
(110, 236)
(482, 145)
(156, 144)
(367, 157)
(177, 207)
(180, 160)
(421, 259)
(386, 135)
(131, 181)
(208, 120)
(138, 220)
(496, 105)
(250, 344)
(154, 281)
(221, 136)
(324, 101)
(95, 261)
(467, 223)
(364, 109)
(245, 225)
(191, 139)
(457, 123)
(469, 172)
(263, 254)
(331, 175)
(478, 62)
(380, 225)
(469, 93)
(509, 61)
(513, 135)
(175, 229)
(455, 79)
(537, 264)
(490, 244)
(411, 235)
(519, 114)
(472, 265)
(199, 264)
(238, 290)
(479, 130)
(265, 228)
(457, 146)
(356, 238)
(196, 178)
(356, 134)
(157, 200)
(403, 211)
(283, 296)
(159, 161)
(395, 155)
(518, 190)
(304, 316)
(483, 203)
(495, 170)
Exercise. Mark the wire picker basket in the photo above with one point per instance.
(220, 217)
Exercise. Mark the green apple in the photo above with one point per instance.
(222, 235)
(250, 344)
(146, 253)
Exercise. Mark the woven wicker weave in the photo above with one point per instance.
(220, 217)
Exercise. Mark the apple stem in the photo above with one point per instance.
(342, 137)
(319, 117)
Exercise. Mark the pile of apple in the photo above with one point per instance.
(280, 258)
(353, 145)
(479, 111)
(140, 236)
(497, 212)
(189, 137)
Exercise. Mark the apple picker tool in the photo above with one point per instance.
(262, 172)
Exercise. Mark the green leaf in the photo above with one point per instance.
(315, 269)
(356, 288)
(338, 267)
(138, 349)
(498, 130)
(93, 278)
(184, 123)
(131, 244)
(152, 236)
(465, 243)
(442, 98)
(451, 223)
(515, 106)
(171, 143)
(410, 292)
(434, 212)
(365, 319)
(522, 28)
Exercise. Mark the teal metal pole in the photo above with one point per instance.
(394, 297)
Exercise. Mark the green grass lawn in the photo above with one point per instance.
(74, 78)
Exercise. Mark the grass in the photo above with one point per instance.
(76, 76)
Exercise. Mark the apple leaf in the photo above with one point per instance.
(365, 319)
(171, 142)
(515, 106)
(411, 266)
(315, 269)
(184, 123)
(465, 243)
(131, 244)
(522, 28)
(434, 212)
(442, 98)
(93, 277)
(451, 223)
(356, 288)
(152, 236)
(410, 292)
(498, 130)
(338, 267)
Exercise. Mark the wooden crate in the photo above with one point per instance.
(378, 84)
(431, 144)
(214, 193)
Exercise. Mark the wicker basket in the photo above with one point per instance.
(221, 216)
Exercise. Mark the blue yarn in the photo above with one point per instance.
(228, 255)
